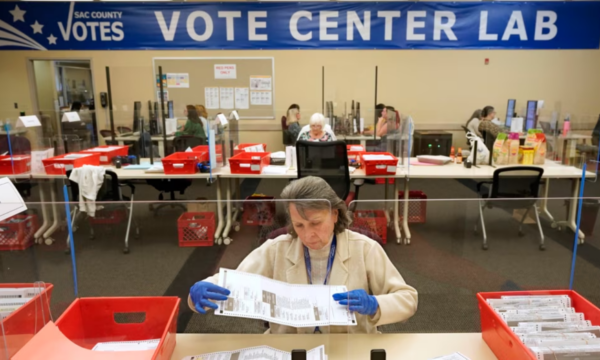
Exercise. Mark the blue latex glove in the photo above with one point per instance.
(203, 291)
(359, 301)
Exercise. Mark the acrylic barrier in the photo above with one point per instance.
(458, 248)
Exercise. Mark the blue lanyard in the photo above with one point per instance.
(329, 266)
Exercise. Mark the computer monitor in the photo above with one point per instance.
(171, 109)
(137, 113)
(510, 112)
(531, 117)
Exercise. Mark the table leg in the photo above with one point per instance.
(405, 213)
(544, 208)
(161, 149)
(236, 205)
(396, 213)
(226, 239)
(55, 215)
(571, 222)
(45, 215)
(219, 212)
(386, 205)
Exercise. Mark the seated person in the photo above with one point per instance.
(193, 126)
(487, 115)
(473, 122)
(292, 120)
(386, 113)
(318, 231)
(317, 130)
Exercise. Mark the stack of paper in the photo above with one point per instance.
(259, 353)
(257, 297)
(254, 148)
(139, 345)
(454, 356)
(377, 157)
(549, 326)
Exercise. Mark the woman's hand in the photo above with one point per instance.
(359, 301)
(203, 291)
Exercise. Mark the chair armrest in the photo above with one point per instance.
(128, 184)
(479, 184)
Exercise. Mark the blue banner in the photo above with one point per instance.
(305, 25)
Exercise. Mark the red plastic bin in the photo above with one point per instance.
(107, 156)
(249, 162)
(240, 148)
(22, 324)
(379, 167)
(354, 154)
(109, 217)
(259, 210)
(196, 229)
(89, 321)
(206, 149)
(16, 232)
(500, 338)
(373, 221)
(59, 165)
(182, 163)
(417, 210)
(20, 164)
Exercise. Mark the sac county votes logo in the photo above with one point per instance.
(22, 28)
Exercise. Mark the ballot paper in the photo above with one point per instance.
(455, 356)
(274, 170)
(127, 345)
(254, 148)
(378, 157)
(259, 353)
(515, 319)
(546, 339)
(524, 328)
(566, 352)
(257, 297)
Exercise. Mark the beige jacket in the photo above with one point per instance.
(360, 263)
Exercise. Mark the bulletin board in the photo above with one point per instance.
(196, 81)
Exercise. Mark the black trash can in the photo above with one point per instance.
(589, 214)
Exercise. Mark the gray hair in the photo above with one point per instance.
(317, 119)
(313, 193)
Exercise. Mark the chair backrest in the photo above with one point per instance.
(110, 190)
(489, 140)
(181, 143)
(124, 129)
(19, 145)
(327, 160)
(106, 133)
(517, 182)
(284, 125)
(466, 129)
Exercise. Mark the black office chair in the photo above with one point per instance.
(183, 142)
(329, 161)
(110, 192)
(515, 187)
(287, 137)
(465, 129)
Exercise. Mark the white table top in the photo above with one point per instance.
(343, 346)
(136, 137)
(357, 137)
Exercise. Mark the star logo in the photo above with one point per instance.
(37, 28)
(52, 40)
(18, 14)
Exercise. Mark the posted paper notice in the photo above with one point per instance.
(257, 297)
(227, 97)
(180, 80)
(242, 98)
(261, 83)
(211, 97)
(260, 98)
(225, 71)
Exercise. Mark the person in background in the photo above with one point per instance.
(381, 112)
(193, 126)
(317, 130)
(386, 122)
(487, 115)
(76, 106)
(292, 120)
(318, 238)
(473, 122)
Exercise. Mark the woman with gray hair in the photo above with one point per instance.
(320, 249)
(317, 130)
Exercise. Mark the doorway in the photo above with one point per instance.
(63, 86)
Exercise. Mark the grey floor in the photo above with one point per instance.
(444, 262)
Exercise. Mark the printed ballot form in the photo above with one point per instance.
(257, 297)
(259, 353)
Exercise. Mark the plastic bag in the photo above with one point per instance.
(483, 153)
